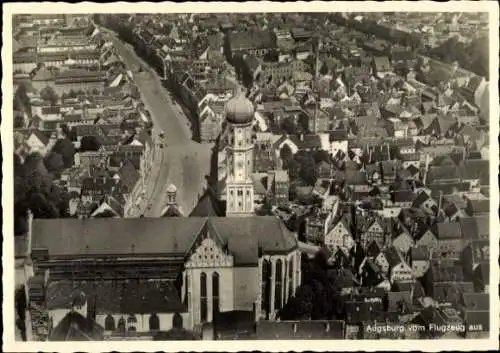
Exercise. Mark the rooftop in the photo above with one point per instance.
(97, 237)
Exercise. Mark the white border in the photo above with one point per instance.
(10, 345)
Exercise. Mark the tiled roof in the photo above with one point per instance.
(373, 249)
(448, 172)
(480, 206)
(476, 169)
(43, 75)
(41, 136)
(447, 231)
(382, 63)
(343, 278)
(208, 206)
(446, 271)
(117, 297)
(480, 251)
(252, 40)
(97, 237)
(476, 301)
(128, 175)
(393, 256)
(24, 57)
(483, 226)
(100, 186)
(419, 253)
(246, 235)
(76, 327)
(67, 74)
(395, 299)
(234, 322)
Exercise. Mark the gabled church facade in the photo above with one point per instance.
(137, 274)
(201, 265)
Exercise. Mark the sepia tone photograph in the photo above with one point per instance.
(221, 176)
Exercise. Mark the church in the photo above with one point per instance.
(135, 275)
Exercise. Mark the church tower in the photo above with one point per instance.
(239, 187)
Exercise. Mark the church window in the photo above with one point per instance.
(109, 323)
(215, 294)
(131, 322)
(121, 325)
(278, 293)
(186, 289)
(266, 285)
(154, 322)
(203, 297)
(240, 192)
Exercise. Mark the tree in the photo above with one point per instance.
(318, 295)
(72, 94)
(321, 155)
(49, 94)
(18, 121)
(34, 190)
(21, 99)
(308, 172)
(65, 148)
(289, 126)
(472, 56)
(54, 164)
(286, 154)
(303, 123)
(293, 168)
(89, 143)
(323, 69)
(20, 303)
(67, 132)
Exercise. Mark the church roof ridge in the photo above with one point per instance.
(244, 236)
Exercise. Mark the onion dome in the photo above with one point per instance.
(239, 109)
(171, 189)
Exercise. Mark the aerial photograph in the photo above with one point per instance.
(251, 176)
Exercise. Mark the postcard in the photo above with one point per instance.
(250, 176)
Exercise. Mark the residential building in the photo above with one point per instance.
(399, 270)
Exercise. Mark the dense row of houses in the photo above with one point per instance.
(404, 211)
(91, 105)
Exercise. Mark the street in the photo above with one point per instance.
(166, 117)
(181, 161)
